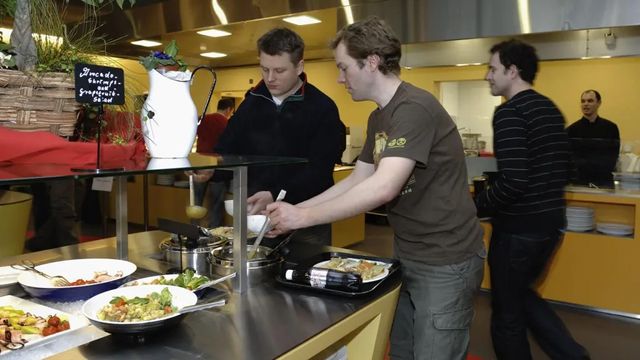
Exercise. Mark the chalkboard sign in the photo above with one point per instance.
(99, 84)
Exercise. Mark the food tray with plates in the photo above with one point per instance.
(391, 267)
(42, 312)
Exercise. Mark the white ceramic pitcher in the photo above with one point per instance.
(169, 116)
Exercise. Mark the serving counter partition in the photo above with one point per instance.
(16, 173)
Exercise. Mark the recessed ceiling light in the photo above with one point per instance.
(214, 33)
(302, 20)
(146, 43)
(213, 54)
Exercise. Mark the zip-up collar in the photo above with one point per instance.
(262, 91)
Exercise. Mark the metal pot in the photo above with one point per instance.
(260, 269)
(183, 253)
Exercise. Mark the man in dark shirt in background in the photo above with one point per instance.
(527, 202)
(595, 143)
(209, 131)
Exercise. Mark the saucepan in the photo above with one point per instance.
(182, 299)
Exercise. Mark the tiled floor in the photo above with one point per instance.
(606, 337)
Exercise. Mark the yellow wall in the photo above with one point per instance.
(563, 81)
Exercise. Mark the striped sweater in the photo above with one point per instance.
(532, 151)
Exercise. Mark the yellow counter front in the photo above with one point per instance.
(590, 268)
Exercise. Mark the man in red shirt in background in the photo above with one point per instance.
(209, 130)
(212, 126)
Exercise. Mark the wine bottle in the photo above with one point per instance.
(325, 278)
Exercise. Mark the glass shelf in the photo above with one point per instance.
(14, 173)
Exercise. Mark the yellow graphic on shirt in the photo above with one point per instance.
(380, 144)
(397, 143)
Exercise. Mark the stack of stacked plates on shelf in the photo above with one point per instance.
(165, 179)
(579, 218)
(615, 229)
(627, 181)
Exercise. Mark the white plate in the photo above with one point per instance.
(381, 276)
(614, 229)
(8, 275)
(580, 228)
(180, 298)
(75, 322)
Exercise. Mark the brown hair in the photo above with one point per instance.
(371, 37)
(282, 40)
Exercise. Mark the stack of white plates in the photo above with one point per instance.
(614, 229)
(627, 181)
(165, 179)
(579, 218)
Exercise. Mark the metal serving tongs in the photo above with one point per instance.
(280, 245)
(264, 228)
(29, 266)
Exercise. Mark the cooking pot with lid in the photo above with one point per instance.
(183, 252)
(263, 267)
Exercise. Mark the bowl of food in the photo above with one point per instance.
(88, 277)
(138, 309)
(187, 280)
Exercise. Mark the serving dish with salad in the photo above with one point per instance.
(138, 309)
(186, 279)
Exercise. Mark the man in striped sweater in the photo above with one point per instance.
(527, 203)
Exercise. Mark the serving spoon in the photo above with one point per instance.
(215, 281)
(194, 211)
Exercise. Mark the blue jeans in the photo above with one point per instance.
(435, 309)
(515, 263)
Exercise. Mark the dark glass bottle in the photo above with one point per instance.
(325, 278)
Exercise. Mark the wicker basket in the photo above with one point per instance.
(32, 102)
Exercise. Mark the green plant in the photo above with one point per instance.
(167, 58)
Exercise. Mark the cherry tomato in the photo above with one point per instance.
(49, 330)
(53, 321)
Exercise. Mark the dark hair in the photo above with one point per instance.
(371, 37)
(226, 103)
(282, 40)
(598, 97)
(521, 55)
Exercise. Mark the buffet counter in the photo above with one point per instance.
(265, 322)
(593, 269)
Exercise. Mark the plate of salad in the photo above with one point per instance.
(187, 280)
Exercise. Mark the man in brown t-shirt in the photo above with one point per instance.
(413, 161)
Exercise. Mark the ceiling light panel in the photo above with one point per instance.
(213, 55)
(302, 20)
(146, 43)
(214, 33)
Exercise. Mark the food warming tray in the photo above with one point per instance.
(365, 288)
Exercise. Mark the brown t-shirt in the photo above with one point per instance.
(434, 218)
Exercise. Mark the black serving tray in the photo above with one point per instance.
(364, 289)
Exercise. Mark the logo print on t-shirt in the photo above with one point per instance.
(397, 143)
(380, 145)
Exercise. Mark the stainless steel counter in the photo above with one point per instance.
(265, 322)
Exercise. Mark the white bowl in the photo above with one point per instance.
(180, 298)
(228, 207)
(255, 222)
(39, 287)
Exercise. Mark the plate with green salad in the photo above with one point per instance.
(187, 280)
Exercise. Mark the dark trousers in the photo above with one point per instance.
(515, 262)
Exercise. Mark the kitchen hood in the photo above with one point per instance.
(434, 32)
